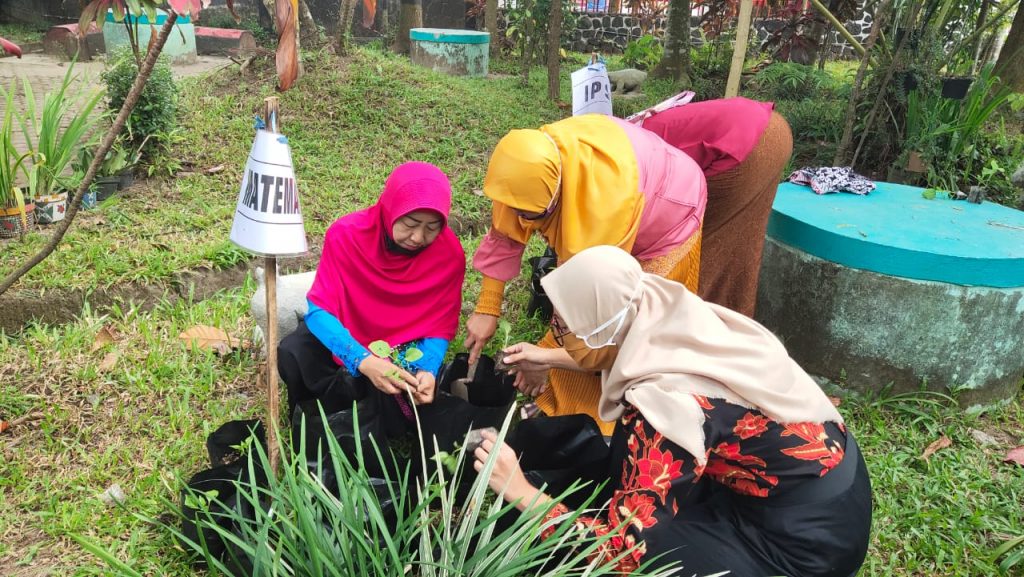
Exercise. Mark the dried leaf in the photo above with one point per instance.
(836, 401)
(104, 337)
(215, 169)
(108, 362)
(4, 425)
(1015, 456)
(940, 443)
(287, 58)
(114, 495)
(478, 191)
(208, 338)
(231, 9)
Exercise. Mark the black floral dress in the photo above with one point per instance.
(772, 499)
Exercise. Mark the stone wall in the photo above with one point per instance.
(599, 32)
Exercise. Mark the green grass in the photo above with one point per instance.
(142, 423)
(22, 34)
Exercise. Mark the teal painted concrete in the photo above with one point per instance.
(450, 35)
(895, 231)
(179, 48)
(455, 52)
(161, 17)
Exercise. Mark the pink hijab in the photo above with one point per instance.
(382, 295)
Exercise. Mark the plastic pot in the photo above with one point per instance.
(956, 88)
(106, 186)
(125, 178)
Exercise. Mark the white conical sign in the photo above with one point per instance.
(268, 219)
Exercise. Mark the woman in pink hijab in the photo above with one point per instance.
(392, 272)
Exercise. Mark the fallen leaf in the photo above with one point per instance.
(4, 425)
(983, 438)
(208, 338)
(478, 191)
(940, 443)
(1015, 456)
(108, 362)
(215, 169)
(836, 401)
(104, 337)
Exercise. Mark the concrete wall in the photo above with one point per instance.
(865, 330)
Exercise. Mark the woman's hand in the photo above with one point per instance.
(386, 376)
(424, 394)
(528, 357)
(506, 475)
(479, 329)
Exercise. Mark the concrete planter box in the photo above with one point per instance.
(455, 52)
(893, 288)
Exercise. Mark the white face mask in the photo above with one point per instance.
(619, 318)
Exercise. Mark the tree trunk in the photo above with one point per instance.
(410, 16)
(101, 152)
(614, 6)
(346, 12)
(1010, 66)
(491, 22)
(554, 44)
(307, 27)
(881, 15)
(675, 61)
(271, 7)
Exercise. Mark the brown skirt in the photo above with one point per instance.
(739, 203)
(576, 392)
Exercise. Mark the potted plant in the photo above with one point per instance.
(53, 134)
(16, 215)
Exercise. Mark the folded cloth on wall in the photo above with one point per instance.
(826, 179)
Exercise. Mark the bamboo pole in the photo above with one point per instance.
(271, 116)
(739, 52)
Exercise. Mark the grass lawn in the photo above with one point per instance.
(135, 411)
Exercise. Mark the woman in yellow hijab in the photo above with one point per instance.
(580, 182)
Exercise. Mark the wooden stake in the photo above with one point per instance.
(739, 51)
(270, 116)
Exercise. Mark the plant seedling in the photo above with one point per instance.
(383, 350)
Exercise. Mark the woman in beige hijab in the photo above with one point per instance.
(726, 455)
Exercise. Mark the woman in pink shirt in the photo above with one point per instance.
(580, 182)
(742, 146)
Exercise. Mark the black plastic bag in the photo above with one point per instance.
(539, 301)
(560, 451)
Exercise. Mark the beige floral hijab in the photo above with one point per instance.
(673, 345)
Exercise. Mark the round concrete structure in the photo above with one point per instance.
(894, 288)
(180, 47)
(455, 52)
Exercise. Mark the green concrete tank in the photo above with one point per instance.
(455, 52)
(181, 43)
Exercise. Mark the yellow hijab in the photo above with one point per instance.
(600, 201)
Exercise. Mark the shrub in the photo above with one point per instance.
(643, 53)
(789, 81)
(155, 113)
(817, 127)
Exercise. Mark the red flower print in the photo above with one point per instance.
(658, 471)
(632, 443)
(750, 425)
(641, 507)
(704, 402)
(731, 451)
(725, 473)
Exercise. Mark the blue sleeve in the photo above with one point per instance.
(433, 350)
(329, 331)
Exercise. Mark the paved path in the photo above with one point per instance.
(46, 73)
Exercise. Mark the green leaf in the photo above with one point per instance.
(412, 354)
(381, 349)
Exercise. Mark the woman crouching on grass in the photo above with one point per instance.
(726, 456)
